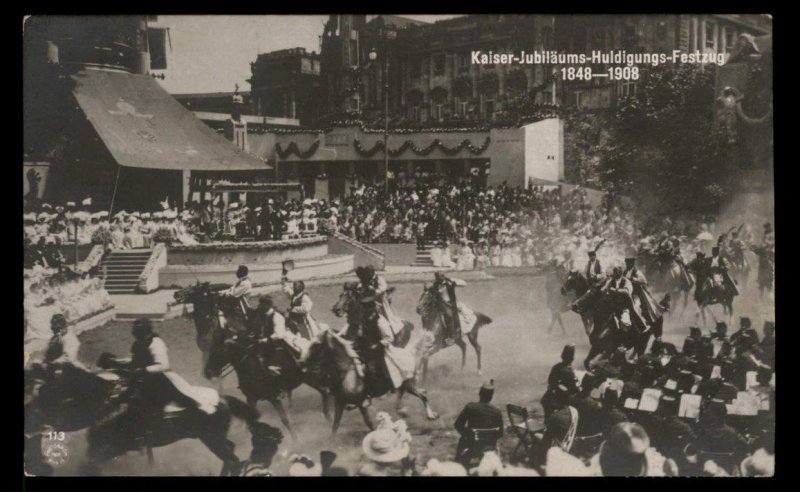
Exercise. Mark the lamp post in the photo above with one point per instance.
(373, 55)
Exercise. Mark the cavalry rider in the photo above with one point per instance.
(273, 327)
(620, 288)
(241, 289)
(399, 362)
(463, 317)
(63, 346)
(594, 271)
(647, 307)
(717, 271)
(734, 250)
(376, 285)
(157, 385)
(697, 268)
(300, 308)
(562, 379)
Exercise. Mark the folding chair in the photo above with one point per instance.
(526, 438)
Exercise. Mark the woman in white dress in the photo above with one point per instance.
(436, 255)
(447, 260)
(497, 252)
(505, 255)
(516, 254)
(466, 258)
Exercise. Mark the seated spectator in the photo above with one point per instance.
(385, 449)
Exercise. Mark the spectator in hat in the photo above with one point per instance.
(715, 434)
(626, 452)
(385, 449)
(477, 415)
(64, 345)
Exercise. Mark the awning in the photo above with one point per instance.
(143, 126)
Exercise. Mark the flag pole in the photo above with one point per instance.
(114, 193)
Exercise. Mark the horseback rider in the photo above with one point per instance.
(594, 271)
(443, 285)
(300, 309)
(241, 289)
(273, 328)
(647, 309)
(63, 346)
(717, 271)
(376, 285)
(153, 383)
(697, 268)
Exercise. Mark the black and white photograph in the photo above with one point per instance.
(411, 245)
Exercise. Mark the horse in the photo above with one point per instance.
(713, 293)
(204, 299)
(437, 319)
(280, 373)
(348, 380)
(68, 398)
(576, 286)
(601, 316)
(669, 276)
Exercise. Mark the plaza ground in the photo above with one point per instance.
(517, 353)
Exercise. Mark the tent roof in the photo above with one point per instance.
(143, 126)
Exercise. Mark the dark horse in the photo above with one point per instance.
(264, 373)
(600, 314)
(68, 398)
(336, 356)
(669, 276)
(437, 314)
(204, 298)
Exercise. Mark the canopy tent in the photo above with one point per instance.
(144, 127)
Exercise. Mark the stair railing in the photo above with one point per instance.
(158, 259)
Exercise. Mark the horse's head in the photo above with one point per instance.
(348, 299)
(575, 284)
(191, 294)
(225, 349)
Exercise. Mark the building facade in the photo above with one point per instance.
(286, 84)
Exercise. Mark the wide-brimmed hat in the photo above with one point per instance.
(623, 452)
(384, 446)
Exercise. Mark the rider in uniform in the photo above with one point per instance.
(717, 270)
(241, 289)
(647, 311)
(376, 286)
(63, 346)
(697, 268)
(300, 309)
(446, 288)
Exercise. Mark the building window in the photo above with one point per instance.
(354, 105)
(488, 107)
(661, 29)
(629, 37)
(710, 38)
(463, 61)
(730, 39)
(415, 114)
(438, 64)
(416, 69)
(546, 34)
(440, 112)
(576, 98)
(627, 89)
(547, 97)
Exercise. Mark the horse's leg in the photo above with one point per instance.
(326, 405)
(282, 414)
(365, 415)
(463, 347)
(150, 458)
(473, 340)
(253, 402)
(289, 399)
(337, 414)
(425, 368)
(398, 403)
(222, 448)
(408, 386)
(561, 323)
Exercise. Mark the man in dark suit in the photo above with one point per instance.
(480, 415)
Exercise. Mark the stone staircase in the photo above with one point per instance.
(122, 269)
(424, 255)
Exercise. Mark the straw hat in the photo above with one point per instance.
(384, 446)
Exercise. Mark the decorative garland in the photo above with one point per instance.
(293, 149)
(422, 151)
(250, 245)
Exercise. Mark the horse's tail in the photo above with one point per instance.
(242, 410)
(482, 318)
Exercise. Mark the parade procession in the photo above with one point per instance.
(253, 258)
